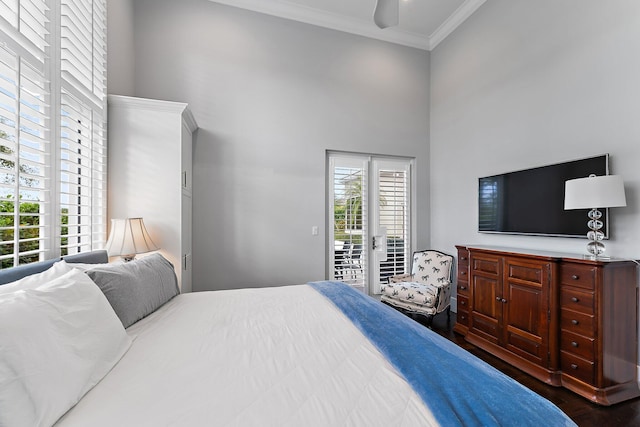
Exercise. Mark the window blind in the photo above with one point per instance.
(349, 218)
(52, 128)
(393, 214)
(29, 18)
(24, 159)
(83, 46)
(82, 133)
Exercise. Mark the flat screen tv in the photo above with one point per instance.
(531, 201)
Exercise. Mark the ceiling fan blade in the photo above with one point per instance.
(386, 13)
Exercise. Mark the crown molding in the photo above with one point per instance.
(122, 101)
(130, 102)
(359, 27)
(461, 14)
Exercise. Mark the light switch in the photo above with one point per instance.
(314, 230)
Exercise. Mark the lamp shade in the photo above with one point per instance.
(129, 237)
(386, 13)
(605, 191)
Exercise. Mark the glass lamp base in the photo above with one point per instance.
(595, 246)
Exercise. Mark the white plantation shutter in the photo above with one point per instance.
(24, 160)
(83, 148)
(82, 124)
(100, 49)
(52, 121)
(393, 216)
(348, 204)
(75, 175)
(29, 18)
(83, 46)
(99, 181)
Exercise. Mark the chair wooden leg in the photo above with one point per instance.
(429, 320)
(448, 315)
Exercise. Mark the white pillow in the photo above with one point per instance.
(58, 269)
(56, 342)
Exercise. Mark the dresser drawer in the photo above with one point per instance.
(582, 276)
(576, 322)
(463, 265)
(577, 367)
(576, 300)
(578, 345)
(463, 273)
(463, 256)
(463, 303)
(463, 288)
(462, 317)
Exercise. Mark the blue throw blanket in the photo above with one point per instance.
(458, 388)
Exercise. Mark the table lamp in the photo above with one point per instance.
(593, 192)
(129, 237)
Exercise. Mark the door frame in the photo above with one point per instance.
(412, 215)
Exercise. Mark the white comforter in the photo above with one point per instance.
(252, 357)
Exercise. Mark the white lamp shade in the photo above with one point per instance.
(594, 192)
(386, 13)
(129, 237)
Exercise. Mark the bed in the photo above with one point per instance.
(319, 354)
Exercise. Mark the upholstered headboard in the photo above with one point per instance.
(17, 273)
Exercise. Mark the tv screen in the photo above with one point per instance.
(531, 201)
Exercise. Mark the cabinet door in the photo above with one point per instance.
(526, 312)
(486, 293)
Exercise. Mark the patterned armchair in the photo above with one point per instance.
(427, 290)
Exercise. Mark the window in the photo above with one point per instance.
(52, 121)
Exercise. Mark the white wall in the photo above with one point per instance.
(527, 83)
(270, 97)
(120, 51)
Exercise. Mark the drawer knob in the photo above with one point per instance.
(574, 366)
(463, 273)
(575, 299)
(574, 344)
(503, 300)
(463, 258)
(574, 322)
(462, 288)
(463, 303)
(497, 298)
(575, 277)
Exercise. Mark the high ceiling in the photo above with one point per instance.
(423, 23)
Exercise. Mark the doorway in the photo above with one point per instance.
(369, 218)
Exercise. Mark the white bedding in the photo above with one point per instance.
(252, 357)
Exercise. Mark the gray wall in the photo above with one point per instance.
(120, 51)
(527, 83)
(270, 97)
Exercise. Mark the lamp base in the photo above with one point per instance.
(595, 246)
(596, 257)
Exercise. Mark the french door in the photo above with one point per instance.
(369, 217)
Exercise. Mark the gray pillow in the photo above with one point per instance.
(138, 288)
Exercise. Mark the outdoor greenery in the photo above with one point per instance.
(28, 230)
(29, 213)
(348, 214)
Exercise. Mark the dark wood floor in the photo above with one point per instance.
(580, 410)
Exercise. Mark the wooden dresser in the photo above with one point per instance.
(565, 320)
